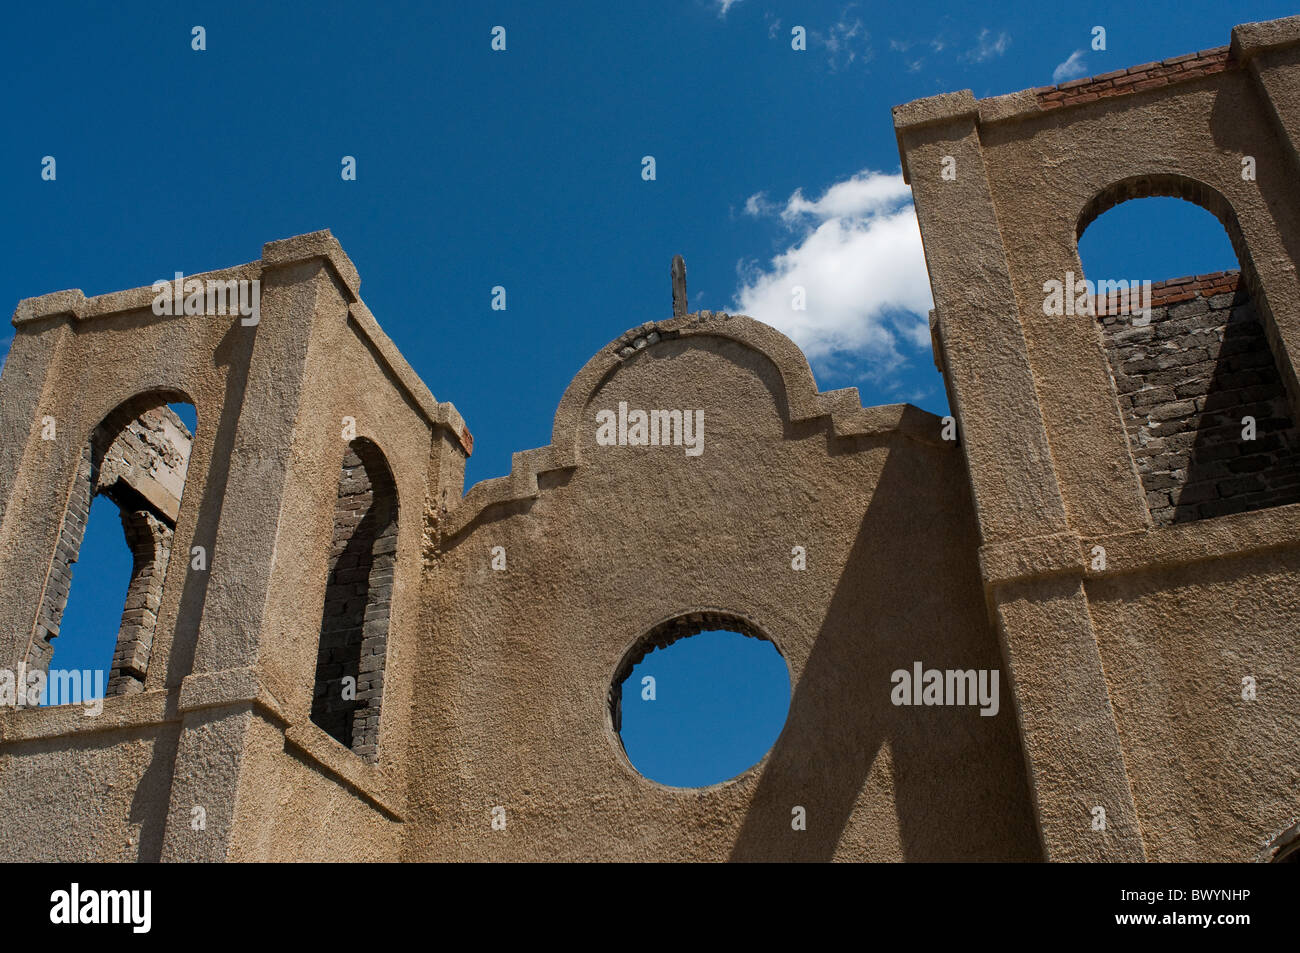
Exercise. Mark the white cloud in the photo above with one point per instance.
(1072, 68)
(845, 42)
(987, 46)
(4, 349)
(757, 204)
(866, 194)
(857, 255)
(724, 5)
(903, 47)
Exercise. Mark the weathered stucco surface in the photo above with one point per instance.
(1132, 643)
(1210, 771)
(513, 608)
(630, 536)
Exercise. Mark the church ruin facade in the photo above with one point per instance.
(330, 651)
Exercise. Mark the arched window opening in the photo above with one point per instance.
(699, 700)
(349, 682)
(1156, 238)
(1187, 336)
(131, 475)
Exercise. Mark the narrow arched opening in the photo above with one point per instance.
(349, 682)
(117, 534)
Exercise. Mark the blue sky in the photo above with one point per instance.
(720, 700)
(523, 168)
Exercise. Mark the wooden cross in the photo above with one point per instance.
(679, 286)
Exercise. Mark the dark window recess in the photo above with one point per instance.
(349, 684)
(1186, 382)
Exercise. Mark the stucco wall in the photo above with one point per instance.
(1044, 169)
(1025, 547)
(229, 681)
(86, 789)
(289, 809)
(1127, 641)
(1213, 774)
(520, 661)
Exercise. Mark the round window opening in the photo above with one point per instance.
(700, 699)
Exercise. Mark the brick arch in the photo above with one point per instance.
(1176, 186)
(358, 599)
(117, 419)
(137, 456)
(1162, 185)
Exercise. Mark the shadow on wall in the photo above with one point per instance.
(150, 801)
(960, 789)
(1229, 472)
(1233, 137)
(1208, 419)
(234, 353)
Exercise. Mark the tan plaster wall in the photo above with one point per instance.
(290, 810)
(1127, 687)
(1043, 171)
(313, 363)
(519, 662)
(1132, 698)
(98, 364)
(88, 796)
(289, 807)
(1212, 774)
(343, 378)
(103, 795)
